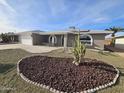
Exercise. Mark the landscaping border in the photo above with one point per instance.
(57, 91)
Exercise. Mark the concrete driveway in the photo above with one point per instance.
(29, 48)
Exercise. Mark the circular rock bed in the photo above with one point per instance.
(62, 75)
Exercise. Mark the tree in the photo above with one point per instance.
(115, 30)
(5, 38)
(79, 51)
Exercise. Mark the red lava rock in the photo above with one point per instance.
(61, 74)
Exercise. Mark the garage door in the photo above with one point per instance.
(26, 41)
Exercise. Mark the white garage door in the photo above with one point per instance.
(26, 41)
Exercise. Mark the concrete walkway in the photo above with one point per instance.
(29, 48)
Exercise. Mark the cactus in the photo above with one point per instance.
(78, 50)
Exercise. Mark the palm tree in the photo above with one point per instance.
(114, 30)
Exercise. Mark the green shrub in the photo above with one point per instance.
(78, 50)
(5, 38)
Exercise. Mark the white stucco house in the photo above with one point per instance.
(119, 42)
(91, 38)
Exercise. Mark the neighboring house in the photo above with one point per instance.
(12, 37)
(9, 37)
(63, 38)
(119, 42)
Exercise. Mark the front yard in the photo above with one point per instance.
(12, 83)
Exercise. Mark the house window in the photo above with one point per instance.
(86, 39)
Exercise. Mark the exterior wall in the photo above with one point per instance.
(70, 40)
(119, 43)
(44, 39)
(26, 38)
(36, 39)
(98, 40)
(40, 39)
(16, 38)
(59, 40)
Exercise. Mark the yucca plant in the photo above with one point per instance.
(78, 50)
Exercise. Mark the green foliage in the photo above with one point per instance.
(115, 30)
(5, 38)
(79, 51)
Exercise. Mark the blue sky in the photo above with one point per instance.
(51, 15)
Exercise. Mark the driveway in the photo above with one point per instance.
(29, 48)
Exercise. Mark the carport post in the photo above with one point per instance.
(65, 42)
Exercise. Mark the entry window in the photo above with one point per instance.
(86, 39)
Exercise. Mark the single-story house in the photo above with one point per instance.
(119, 42)
(8, 37)
(91, 38)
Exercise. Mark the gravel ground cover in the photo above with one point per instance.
(61, 74)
